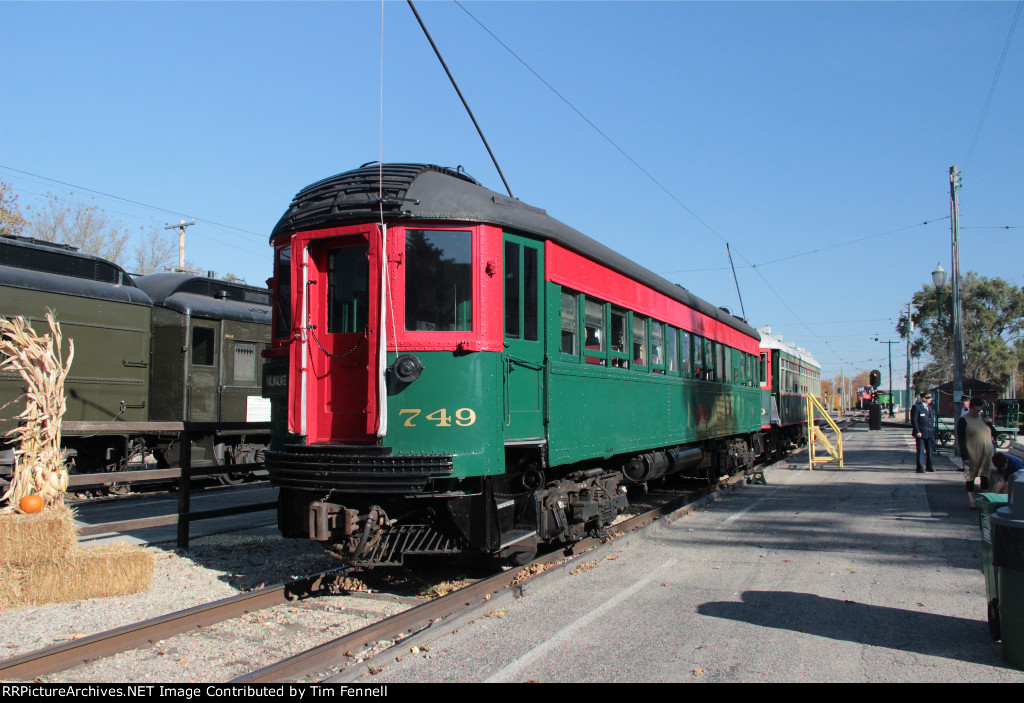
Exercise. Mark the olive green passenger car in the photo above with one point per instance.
(97, 305)
(454, 370)
(165, 347)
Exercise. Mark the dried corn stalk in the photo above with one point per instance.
(38, 459)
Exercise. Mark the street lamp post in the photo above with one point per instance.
(939, 279)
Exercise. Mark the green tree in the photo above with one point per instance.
(11, 219)
(991, 326)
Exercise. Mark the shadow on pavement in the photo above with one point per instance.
(906, 630)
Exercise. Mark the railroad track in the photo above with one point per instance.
(338, 654)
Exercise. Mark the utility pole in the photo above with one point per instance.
(181, 226)
(958, 346)
(909, 331)
(890, 343)
(842, 388)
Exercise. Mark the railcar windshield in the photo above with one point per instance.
(438, 280)
(283, 296)
(348, 290)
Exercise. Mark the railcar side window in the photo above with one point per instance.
(593, 327)
(438, 280)
(684, 353)
(672, 349)
(764, 367)
(639, 340)
(709, 361)
(283, 294)
(619, 338)
(698, 357)
(657, 347)
(521, 274)
(725, 363)
(512, 290)
(569, 314)
(531, 272)
(203, 346)
(348, 290)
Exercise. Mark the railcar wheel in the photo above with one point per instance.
(231, 479)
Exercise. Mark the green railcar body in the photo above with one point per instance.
(558, 374)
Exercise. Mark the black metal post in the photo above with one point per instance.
(184, 487)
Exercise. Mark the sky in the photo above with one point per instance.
(816, 139)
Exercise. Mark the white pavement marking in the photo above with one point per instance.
(753, 505)
(511, 671)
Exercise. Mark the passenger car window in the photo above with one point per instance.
(438, 280)
(203, 346)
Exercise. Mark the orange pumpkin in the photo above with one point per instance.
(31, 504)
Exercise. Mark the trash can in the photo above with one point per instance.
(875, 416)
(989, 503)
(1008, 558)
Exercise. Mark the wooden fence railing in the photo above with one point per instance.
(184, 474)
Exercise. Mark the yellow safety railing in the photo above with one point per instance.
(816, 435)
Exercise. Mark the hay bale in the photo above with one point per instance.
(37, 538)
(11, 578)
(97, 572)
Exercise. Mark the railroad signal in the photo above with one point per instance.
(875, 378)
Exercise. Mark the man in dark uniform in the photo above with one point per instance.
(922, 418)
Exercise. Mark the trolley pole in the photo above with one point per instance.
(181, 226)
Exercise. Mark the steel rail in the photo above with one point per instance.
(104, 644)
(477, 595)
(470, 598)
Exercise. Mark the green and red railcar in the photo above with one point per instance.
(454, 370)
(788, 374)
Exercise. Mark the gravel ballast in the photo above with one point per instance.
(214, 567)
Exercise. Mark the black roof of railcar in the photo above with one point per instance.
(209, 298)
(62, 269)
(428, 192)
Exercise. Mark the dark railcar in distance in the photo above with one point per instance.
(99, 306)
(165, 347)
(788, 374)
(208, 338)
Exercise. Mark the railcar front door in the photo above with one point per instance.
(341, 338)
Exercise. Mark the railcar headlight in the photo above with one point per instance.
(407, 368)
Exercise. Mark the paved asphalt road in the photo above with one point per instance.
(867, 574)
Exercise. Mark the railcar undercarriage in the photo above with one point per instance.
(506, 516)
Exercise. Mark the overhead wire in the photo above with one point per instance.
(992, 87)
(820, 249)
(661, 186)
(177, 213)
(226, 229)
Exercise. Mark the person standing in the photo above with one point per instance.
(922, 419)
(975, 438)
